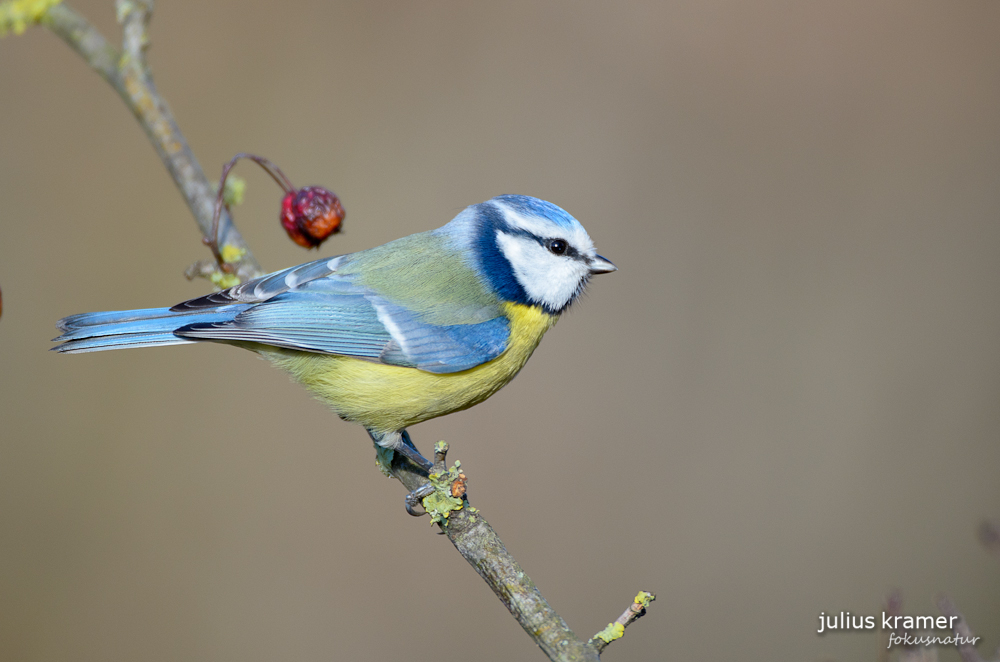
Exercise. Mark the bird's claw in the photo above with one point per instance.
(414, 499)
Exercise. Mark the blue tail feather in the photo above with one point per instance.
(120, 329)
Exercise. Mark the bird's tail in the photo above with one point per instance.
(120, 329)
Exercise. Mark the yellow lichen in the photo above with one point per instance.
(18, 15)
(231, 254)
(644, 598)
(440, 503)
(224, 281)
(234, 191)
(610, 633)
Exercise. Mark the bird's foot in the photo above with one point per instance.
(416, 497)
(445, 489)
(437, 470)
(444, 493)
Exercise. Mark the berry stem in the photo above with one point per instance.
(212, 241)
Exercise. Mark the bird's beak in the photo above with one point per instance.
(601, 265)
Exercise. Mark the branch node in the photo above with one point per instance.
(209, 270)
(440, 453)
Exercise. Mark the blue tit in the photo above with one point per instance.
(422, 326)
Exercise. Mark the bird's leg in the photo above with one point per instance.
(410, 452)
(399, 442)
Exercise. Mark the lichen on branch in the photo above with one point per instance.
(18, 15)
(616, 630)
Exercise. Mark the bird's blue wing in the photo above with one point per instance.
(329, 324)
(440, 348)
(331, 314)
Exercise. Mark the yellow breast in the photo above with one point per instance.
(388, 398)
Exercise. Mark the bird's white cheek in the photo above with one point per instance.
(546, 278)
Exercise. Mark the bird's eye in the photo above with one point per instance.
(558, 246)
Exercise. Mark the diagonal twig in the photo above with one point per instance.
(616, 630)
(479, 544)
(127, 72)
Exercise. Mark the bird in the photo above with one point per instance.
(420, 327)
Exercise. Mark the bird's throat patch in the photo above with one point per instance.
(527, 323)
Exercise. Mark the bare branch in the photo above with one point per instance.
(129, 75)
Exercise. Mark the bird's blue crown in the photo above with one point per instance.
(528, 206)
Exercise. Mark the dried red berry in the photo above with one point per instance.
(310, 215)
(458, 487)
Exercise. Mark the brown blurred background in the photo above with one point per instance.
(786, 402)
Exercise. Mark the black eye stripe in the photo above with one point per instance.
(543, 241)
(559, 246)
